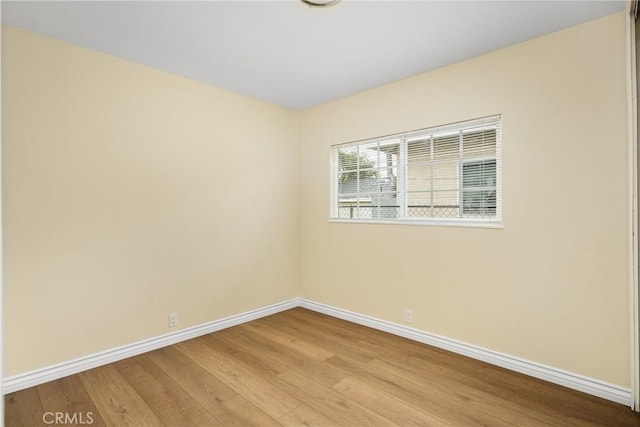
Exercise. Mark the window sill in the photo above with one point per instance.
(432, 222)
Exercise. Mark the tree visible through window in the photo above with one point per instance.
(448, 172)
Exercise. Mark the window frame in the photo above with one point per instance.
(402, 191)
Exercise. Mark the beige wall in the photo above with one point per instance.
(130, 193)
(553, 285)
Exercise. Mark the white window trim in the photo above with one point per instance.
(492, 223)
(444, 222)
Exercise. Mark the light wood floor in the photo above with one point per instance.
(301, 368)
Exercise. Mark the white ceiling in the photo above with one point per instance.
(288, 54)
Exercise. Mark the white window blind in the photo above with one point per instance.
(445, 174)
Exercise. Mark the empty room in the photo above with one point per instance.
(320, 213)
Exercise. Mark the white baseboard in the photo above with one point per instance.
(557, 376)
(575, 381)
(50, 373)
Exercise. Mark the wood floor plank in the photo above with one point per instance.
(336, 340)
(219, 399)
(251, 386)
(298, 368)
(291, 342)
(170, 402)
(317, 325)
(431, 397)
(340, 408)
(323, 322)
(235, 349)
(68, 395)
(523, 390)
(241, 412)
(321, 372)
(547, 400)
(387, 405)
(279, 357)
(118, 403)
(518, 388)
(305, 416)
(272, 357)
(460, 394)
(23, 408)
(192, 377)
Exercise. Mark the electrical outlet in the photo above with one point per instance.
(408, 315)
(173, 319)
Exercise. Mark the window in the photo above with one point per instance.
(479, 188)
(446, 175)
